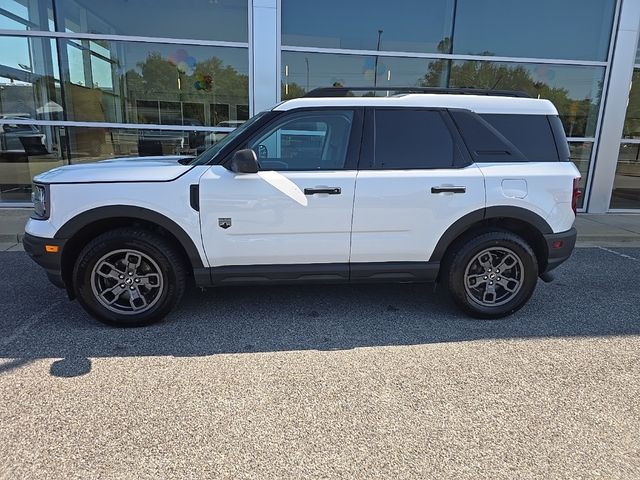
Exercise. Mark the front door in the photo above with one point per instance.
(298, 208)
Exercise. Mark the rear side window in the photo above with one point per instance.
(412, 139)
(531, 134)
(485, 143)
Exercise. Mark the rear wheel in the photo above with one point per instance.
(492, 275)
(129, 277)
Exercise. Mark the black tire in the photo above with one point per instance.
(465, 264)
(157, 293)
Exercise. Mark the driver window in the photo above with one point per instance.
(305, 141)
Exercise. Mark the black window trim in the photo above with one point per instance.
(367, 152)
(559, 137)
(353, 146)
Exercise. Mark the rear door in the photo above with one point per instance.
(415, 180)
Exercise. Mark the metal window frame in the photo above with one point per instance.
(443, 56)
(122, 38)
(129, 126)
(623, 50)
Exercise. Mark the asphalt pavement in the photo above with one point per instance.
(370, 381)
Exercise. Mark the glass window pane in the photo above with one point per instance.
(484, 143)
(26, 151)
(194, 19)
(570, 29)
(574, 90)
(531, 134)
(407, 139)
(26, 15)
(580, 154)
(29, 79)
(305, 141)
(626, 186)
(302, 72)
(632, 118)
(407, 25)
(92, 144)
(153, 83)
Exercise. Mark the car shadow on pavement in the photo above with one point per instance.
(595, 294)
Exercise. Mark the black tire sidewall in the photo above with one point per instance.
(465, 254)
(148, 244)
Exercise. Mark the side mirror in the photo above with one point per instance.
(244, 161)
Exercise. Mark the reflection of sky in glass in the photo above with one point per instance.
(19, 9)
(16, 51)
(199, 19)
(572, 29)
(15, 7)
(408, 25)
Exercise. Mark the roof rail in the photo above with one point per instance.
(344, 91)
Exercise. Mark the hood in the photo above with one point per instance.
(131, 169)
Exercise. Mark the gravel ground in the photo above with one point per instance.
(383, 381)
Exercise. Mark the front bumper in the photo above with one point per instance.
(50, 261)
(559, 247)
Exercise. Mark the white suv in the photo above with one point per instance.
(474, 191)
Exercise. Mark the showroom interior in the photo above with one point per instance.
(84, 81)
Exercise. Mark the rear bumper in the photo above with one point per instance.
(559, 247)
(50, 261)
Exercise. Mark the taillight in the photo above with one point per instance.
(577, 192)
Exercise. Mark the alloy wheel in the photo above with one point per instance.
(494, 276)
(127, 282)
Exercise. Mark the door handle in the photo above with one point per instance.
(327, 190)
(448, 189)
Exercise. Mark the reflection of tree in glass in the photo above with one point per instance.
(632, 119)
(293, 91)
(157, 79)
(578, 116)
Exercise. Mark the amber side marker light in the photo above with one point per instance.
(51, 248)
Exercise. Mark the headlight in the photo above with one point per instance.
(39, 197)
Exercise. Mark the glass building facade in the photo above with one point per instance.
(82, 81)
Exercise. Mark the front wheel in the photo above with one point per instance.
(129, 277)
(492, 275)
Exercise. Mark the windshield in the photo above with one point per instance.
(208, 154)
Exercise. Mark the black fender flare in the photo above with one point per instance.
(88, 217)
(502, 211)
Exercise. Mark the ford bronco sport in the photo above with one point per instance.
(471, 189)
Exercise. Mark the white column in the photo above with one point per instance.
(264, 54)
(617, 96)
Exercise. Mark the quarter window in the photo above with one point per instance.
(305, 141)
(531, 134)
(408, 139)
